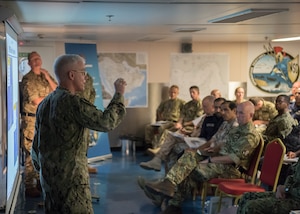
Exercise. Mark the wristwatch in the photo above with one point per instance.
(286, 190)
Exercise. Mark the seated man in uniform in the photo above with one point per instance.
(169, 112)
(192, 167)
(190, 111)
(212, 122)
(264, 112)
(281, 125)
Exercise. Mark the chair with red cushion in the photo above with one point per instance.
(248, 176)
(269, 174)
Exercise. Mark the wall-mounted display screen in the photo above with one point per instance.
(12, 114)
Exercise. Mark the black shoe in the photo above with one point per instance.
(165, 187)
(172, 210)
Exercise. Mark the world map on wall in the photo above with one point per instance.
(274, 71)
(130, 66)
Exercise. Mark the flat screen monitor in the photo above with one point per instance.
(12, 117)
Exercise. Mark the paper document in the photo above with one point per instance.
(176, 134)
(159, 123)
(194, 142)
(290, 160)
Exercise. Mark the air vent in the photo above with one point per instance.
(246, 15)
(188, 30)
(150, 39)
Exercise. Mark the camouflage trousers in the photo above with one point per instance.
(31, 176)
(189, 174)
(77, 200)
(167, 142)
(265, 202)
(174, 154)
(154, 133)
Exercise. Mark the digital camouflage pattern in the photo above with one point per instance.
(266, 112)
(32, 86)
(240, 143)
(217, 139)
(89, 93)
(266, 202)
(279, 127)
(59, 153)
(170, 111)
(190, 111)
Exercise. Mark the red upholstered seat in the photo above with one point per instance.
(216, 181)
(270, 170)
(248, 176)
(240, 188)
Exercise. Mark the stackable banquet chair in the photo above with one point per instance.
(247, 176)
(269, 173)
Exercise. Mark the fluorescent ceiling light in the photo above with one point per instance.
(288, 39)
(246, 15)
(188, 30)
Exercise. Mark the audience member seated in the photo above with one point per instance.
(286, 198)
(206, 128)
(239, 94)
(192, 167)
(190, 111)
(281, 125)
(295, 86)
(216, 93)
(169, 112)
(264, 112)
(295, 106)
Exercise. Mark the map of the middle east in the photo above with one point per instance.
(130, 66)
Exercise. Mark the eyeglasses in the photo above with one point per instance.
(82, 71)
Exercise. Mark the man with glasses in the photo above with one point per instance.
(58, 150)
(35, 86)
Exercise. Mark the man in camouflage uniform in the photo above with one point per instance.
(286, 198)
(168, 111)
(35, 86)
(281, 125)
(58, 151)
(168, 140)
(264, 111)
(213, 145)
(236, 152)
(190, 111)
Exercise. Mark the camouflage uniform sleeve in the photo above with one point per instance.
(160, 110)
(243, 152)
(285, 127)
(240, 146)
(272, 110)
(103, 121)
